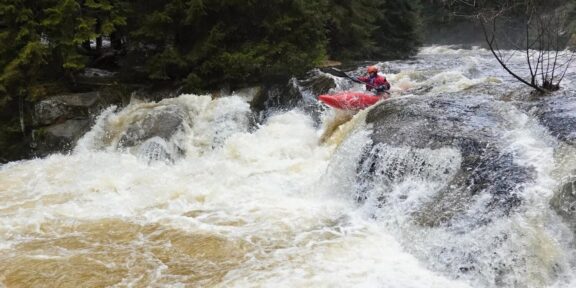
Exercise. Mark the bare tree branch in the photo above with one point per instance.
(491, 41)
(543, 29)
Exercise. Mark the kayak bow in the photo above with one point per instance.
(349, 100)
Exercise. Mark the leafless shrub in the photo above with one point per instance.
(544, 45)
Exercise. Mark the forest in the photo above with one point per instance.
(199, 45)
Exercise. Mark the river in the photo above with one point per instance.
(273, 204)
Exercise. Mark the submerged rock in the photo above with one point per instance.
(558, 114)
(155, 149)
(454, 145)
(564, 201)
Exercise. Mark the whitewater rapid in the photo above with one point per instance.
(264, 206)
(263, 197)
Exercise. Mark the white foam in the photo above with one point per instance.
(267, 180)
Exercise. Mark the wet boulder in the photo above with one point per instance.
(276, 96)
(318, 84)
(59, 137)
(162, 121)
(564, 200)
(297, 93)
(151, 132)
(59, 121)
(248, 93)
(157, 93)
(63, 107)
(453, 144)
(558, 114)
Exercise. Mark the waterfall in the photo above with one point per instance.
(456, 181)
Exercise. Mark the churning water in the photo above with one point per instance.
(224, 204)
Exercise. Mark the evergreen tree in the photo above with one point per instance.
(351, 26)
(40, 46)
(398, 34)
(23, 49)
(43, 38)
(203, 42)
(210, 42)
(373, 29)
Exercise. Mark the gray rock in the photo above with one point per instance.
(50, 111)
(318, 84)
(248, 93)
(470, 125)
(162, 122)
(85, 100)
(70, 129)
(564, 201)
(58, 118)
(59, 137)
(64, 107)
(156, 93)
(558, 114)
(300, 93)
(277, 97)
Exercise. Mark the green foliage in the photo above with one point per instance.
(21, 50)
(202, 43)
(374, 29)
(398, 34)
(42, 39)
(41, 42)
(351, 26)
(210, 42)
(11, 146)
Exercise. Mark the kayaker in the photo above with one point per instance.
(376, 83)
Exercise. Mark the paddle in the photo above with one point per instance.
(340, 73)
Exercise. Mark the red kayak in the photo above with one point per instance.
(349, 100)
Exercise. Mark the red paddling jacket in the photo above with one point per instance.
(378, 83)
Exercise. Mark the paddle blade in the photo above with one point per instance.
(336, 72)
(340, 73)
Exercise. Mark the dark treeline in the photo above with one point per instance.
(201, 43)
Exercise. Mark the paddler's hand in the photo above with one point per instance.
(382, 88)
